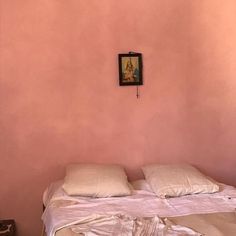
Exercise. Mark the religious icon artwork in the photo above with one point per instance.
(130, 69)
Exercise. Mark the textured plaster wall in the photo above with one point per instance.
(60, 101)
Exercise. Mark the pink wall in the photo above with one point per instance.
(60, 101)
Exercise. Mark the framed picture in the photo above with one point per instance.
(130, 69)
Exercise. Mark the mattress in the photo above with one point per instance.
(142, 213)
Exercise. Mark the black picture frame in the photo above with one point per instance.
(130, 69)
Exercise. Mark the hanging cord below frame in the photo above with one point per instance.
(137, 94)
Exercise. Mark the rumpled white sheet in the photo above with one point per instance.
(63, 210)
(121, 225)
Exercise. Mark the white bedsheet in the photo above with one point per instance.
(63, 210)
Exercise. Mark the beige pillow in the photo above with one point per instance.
(96, 180)
(177, 180)
(141, 184)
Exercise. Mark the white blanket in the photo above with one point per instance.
(124, 213)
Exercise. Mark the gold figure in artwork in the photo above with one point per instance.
(129, 71)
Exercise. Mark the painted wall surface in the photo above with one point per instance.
(60, 101)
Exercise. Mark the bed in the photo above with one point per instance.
(142, 212)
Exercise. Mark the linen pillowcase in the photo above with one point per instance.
(177, 180)
(96, 180)
(141, 184)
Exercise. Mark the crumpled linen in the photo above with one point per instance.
(121, 225)
(63, 210)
